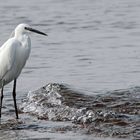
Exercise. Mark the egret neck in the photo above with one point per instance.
(25, 41)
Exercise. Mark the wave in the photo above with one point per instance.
(107, 114)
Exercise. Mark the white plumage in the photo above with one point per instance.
(13, 56)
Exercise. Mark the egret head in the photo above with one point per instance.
(26, 29)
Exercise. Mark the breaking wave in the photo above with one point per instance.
(105, 114)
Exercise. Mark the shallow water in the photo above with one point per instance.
(115, 114)
(92, 46)
(56, 109)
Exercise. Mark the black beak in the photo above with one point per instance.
(35, 31)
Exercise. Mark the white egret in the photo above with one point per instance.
(13, 56)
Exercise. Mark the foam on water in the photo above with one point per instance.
(47, 103)
(105, 114)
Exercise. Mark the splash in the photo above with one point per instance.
(48, 103)
(107, 114)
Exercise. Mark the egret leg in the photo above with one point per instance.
(1, 98)
(14, 97)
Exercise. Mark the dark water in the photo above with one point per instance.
(93, 46)
(56, 109)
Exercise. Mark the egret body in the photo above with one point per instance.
(13, 56)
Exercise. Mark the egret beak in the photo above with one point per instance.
(35, 31)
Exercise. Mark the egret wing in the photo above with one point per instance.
(7, 56)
